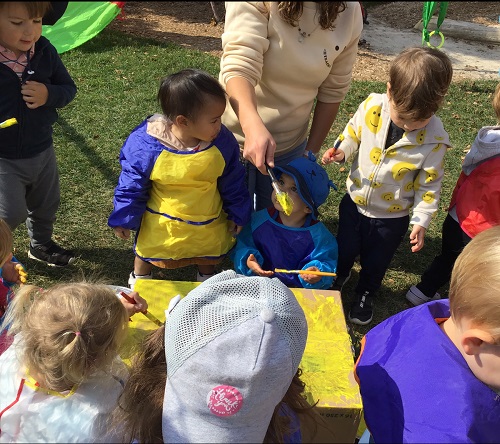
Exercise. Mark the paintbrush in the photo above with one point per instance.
(316, 273)
(283, 198)
(145, 313)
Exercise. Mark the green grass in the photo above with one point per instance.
(117, 77)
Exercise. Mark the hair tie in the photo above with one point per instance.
(77, 333)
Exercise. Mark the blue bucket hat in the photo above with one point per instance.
(313, 183)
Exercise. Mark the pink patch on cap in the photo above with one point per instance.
(224, 400)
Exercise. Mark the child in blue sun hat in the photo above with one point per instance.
(296, 241)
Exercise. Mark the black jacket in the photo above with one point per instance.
(33, 133)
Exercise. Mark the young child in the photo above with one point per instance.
(182, 186)
(474, 207)
(11, 273)
(61, 376)
(232, 347)
(399, 146)
(299, 240)
(34, 83)
(432, 373)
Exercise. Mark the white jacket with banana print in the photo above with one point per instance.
(388, 183)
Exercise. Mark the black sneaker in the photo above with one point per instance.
(339, 282)
(362, 310)
(52, 254)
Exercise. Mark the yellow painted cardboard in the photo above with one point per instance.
(327, 363)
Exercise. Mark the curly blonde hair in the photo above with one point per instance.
(69, 331)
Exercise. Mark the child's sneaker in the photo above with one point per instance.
(133, 278)
(339, 282)
(52, 254)
(362, 310)
(416, 297)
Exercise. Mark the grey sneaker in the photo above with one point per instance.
(339, 282)
(416, 297)
(52, 254)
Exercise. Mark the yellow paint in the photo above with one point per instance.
(286, 202)
(327, 363)
(8, 122)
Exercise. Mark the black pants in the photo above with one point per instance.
(375, 240)
(453, 241)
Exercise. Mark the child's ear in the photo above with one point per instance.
(181, 120)
(472, 340)
(307, 210)
(388, 90)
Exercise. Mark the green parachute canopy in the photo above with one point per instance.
(80, 22)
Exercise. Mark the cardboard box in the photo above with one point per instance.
(327, 363)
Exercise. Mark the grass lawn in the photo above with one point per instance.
(117, 78)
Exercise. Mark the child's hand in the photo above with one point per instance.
(122, 233)
(255, 267)
(233, 228)
(14, 272)
(332, 155)
(311, 278)
(35, 94)
(417, 238)
(140, 304)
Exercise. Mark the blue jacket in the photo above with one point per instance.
(278, 246)
(33, 133)
(416, 386)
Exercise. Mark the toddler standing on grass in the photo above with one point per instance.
(34, 83)
(182, 186)
(398, 146)
(474, 207)
(61, 377)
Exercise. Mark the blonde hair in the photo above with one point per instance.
(138, 414)
(69, 331)
(5, 241)
(419, 80)
(496, 102)
(475, 282)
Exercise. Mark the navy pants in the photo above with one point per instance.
(375, 240)
(453, 241)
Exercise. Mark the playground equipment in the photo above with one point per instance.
(427, 12)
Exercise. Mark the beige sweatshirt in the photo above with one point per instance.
(287, 74)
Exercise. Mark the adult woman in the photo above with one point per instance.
(278, 59)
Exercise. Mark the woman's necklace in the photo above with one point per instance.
(303, 34)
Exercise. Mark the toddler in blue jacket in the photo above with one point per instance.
(298, 241)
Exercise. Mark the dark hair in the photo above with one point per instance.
(35, 9)
(138, 414)
(187, 92)
(291, 12)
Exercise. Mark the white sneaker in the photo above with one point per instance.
(416, 297)
(133, 278)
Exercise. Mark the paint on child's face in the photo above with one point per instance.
(18, 32)
(287, 184)
(207, 125)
